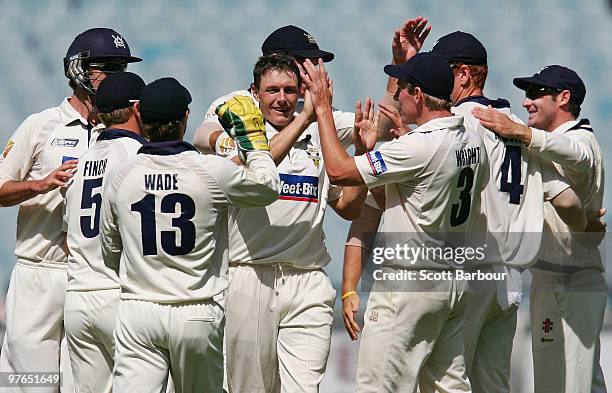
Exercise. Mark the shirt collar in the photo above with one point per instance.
(582, 124)
(166, 148)
(499, 103)
(69, 114)
(116, 133)
(440, 124)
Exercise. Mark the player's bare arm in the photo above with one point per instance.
(340, 166)
(14, 192)
(350, 203)
(356, 253)
(568, 206)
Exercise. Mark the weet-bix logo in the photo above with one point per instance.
(376, 162)
(64, 142)
(299, 188)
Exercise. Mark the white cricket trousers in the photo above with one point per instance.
(413, 338)
(89, 318)
(567, 313)
(183, 339)
(488, 333)
(34, 338)
(278, 328)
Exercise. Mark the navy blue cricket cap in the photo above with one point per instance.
(163, 101)
(555, 77)
(428, 71)
(119, 90)
(101, 43)
(461, 47)
(294, 41)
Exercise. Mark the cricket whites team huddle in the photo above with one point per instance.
(146, 263)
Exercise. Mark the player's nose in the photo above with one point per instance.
(527, 103)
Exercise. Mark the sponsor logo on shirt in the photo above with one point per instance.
(299, 188)
(376, 162)
(64, 142)
(68, 158)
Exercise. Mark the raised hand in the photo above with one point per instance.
(318, 84)
(57, 178)
(497, 122)
(393, 114)
(409, 38)
(365, 130)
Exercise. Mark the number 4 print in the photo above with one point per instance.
(512, 163)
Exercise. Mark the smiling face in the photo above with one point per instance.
(543, 107)
(278, 93)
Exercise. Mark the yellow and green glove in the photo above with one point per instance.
(243, 121)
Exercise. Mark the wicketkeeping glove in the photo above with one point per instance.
(244, 122)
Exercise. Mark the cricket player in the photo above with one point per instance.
(433, 176)
(37, 160)
(93, 288)
(513, 205)
(281, 283)
(164, 225)
(568, 294)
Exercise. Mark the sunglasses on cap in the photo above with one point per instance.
(108, 67)
(533, 93)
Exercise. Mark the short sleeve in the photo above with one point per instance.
(392, 162)
(18, 156)
(552, 181)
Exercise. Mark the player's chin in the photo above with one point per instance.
(280, 120)
(532, 120)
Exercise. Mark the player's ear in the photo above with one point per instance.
(563, 97)
(255, 91)
(418, 94)
(464, 74)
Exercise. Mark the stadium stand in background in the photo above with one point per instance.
(211, 47)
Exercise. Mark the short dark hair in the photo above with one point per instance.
(573, 107)
(161, 132)
(118, 116)
(275, 62)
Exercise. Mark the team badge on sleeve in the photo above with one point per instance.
(376, 162)
(8, 148)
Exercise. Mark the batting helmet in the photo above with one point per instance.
(98, 44)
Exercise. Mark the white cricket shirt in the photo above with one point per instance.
(577, 155)
(86, 269)
(434, 176)
(164, 219)
(291, 229)
(39, 146)
(519, 183)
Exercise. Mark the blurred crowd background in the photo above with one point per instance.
(211, 47)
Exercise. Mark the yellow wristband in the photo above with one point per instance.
(347, 294)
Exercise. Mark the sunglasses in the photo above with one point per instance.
(533, 93)
(108, 67)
